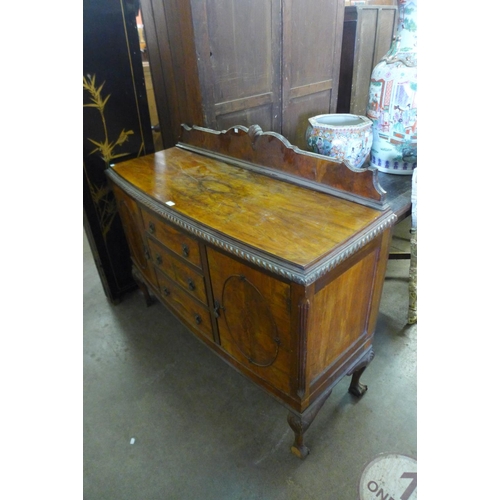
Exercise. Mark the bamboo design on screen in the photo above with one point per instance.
(106, 148)
(102, 197)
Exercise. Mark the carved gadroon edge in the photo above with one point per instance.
(192, 138)
(260, 259)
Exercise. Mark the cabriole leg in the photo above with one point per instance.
(356, 388)
(301, 422)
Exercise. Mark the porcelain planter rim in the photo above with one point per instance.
(344, 137)
(357, 120)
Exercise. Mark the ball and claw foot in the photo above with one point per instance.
(300, 451)
(299, 425)
(356, 388)
(301, 422)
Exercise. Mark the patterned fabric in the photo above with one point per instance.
(414, 199)
(412, 286)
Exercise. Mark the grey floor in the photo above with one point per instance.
(202, 431)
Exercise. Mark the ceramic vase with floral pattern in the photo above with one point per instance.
(392, 103)
(343, 137)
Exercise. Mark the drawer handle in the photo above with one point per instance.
(185, 250)
(146, 253)
(158, 258)
(151, 227)
(166, 291)
(217, 308)
(191, 284)
(197, 318)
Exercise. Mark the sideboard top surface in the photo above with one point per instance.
(289, 222)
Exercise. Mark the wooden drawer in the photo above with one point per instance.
(196, 315)
(180, 243)
(186, 277)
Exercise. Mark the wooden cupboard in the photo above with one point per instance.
(367, 37)
(221, 63)
(273, 257)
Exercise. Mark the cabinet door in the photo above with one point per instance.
(239, 47)
(133, 226)
(253, 318)
(312, 40)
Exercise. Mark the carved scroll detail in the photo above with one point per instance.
(254, 132)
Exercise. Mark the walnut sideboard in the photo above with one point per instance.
(272, 256)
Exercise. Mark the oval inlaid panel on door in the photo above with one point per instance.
(249, 321)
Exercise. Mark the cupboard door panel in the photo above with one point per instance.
(239, 42)
(244, 62)
(130, 215)
(253, 318)
(299, 110)
(311, 63)
(262, 115)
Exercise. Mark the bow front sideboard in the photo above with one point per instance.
(272, 256)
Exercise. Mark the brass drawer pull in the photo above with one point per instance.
(166, 291)
(158, 258)
(151, 227)
(191, 284)
(197, 318)
(185, 250)
(146, 253)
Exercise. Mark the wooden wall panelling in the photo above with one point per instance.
(368, 33)
(312, 38)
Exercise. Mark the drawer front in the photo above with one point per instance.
(186, 277)
(177, 241)
(196, 315)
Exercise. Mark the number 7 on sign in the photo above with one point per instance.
(411, 486)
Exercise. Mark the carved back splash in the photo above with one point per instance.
(272, 154)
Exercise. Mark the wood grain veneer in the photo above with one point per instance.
(281, 280)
